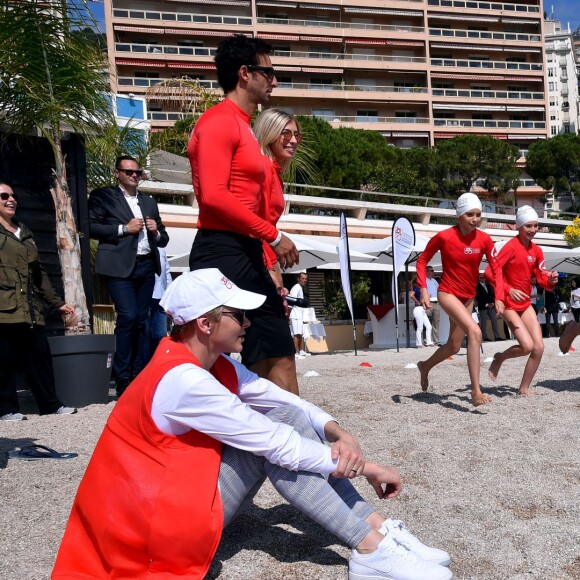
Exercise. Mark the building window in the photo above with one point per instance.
(326, 114)
(566, 127)
(367, 116)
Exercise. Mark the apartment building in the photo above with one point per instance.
(562, 69)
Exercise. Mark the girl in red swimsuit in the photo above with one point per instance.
(519, 260)
(462, 248)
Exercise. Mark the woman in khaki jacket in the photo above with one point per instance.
(23, 283)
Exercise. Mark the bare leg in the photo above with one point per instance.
(461, 324)
(281, 371)
(571, 331)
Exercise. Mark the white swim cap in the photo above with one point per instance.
(525, 214)
(467, 202)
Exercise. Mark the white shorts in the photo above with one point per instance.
(296, 326)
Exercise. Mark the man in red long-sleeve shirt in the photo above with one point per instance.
(228, 174)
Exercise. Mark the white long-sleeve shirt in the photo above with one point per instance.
(189, 397)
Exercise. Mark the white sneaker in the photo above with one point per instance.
(298, 356)
(397, 530)
(14, 417)
(392, 561)
(65, 411)
(304, 353)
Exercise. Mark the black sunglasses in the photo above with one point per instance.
(129, 172)
(267, 71)
(238, 315)
(287, 135)
(5, 196)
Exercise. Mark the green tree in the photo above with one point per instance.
(555, 163)
(51, 81)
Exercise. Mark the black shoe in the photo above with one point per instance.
(122, 385)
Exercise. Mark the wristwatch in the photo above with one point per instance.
(125, 229)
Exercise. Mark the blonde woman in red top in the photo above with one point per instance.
(462, 248)
(519, 260)
(279, 135)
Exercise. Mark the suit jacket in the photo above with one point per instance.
(484, 296)
(116, 254)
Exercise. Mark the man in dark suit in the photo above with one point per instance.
(129, 230)
(485, 297)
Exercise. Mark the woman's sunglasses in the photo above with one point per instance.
(286, 135)
(238, 315)
(5, 196)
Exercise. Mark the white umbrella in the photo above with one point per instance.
(382, 250)
(314, 252)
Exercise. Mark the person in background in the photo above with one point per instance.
(129, 229)
(419, 315)
(228, 174)
(518, 260)
(534, 294)
(486, 308)
(157, 322)
(575, 300)
(23, 286)
(433, 312)
(462, 249)
(194, 438)
(297, 315)
(552, 306)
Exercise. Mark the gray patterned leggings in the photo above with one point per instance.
(331, 502)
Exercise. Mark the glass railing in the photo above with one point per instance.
(350, 88)
(166, 116)
(485, 5)
(341, 56)
(478, 94)
(329, 24)
(489, 124)
(152, 16)
(485, 35)
(486, 64)
(164, 49)
(371, 119)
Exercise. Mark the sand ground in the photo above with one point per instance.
(496, 486)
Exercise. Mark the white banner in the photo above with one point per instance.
(402, 244)
(344, 259)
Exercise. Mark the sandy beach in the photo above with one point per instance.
(497, 486)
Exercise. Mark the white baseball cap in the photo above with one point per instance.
(195, 293)
(467, 202)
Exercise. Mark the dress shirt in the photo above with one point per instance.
(143, 247)
(189, 397)
(164, 279)
(432, 286)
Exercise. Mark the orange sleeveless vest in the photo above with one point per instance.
(148, 504)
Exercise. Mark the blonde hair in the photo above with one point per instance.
(269, 126)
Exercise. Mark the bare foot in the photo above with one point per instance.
(525, 393)
(494, 367)
(424, 377)
(480, 399)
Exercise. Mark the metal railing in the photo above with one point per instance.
(350, 88)
(342, 56)
(147, 82)
(165, 49)
(489, 64)
(332, 24)
(479, 94)
(151, 16)
(485, 35)
(485, 5)
(370, 119)
(489, 124)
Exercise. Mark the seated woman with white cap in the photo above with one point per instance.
(194, 437)
(519, 260)
(462, 248)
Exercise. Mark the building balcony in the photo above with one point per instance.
(484, 35)
(168, 18)
(488, 124)
(338, 25)
(496, 95)
(376, 123)
(502, 7)
(325, 59)
(487, 64)
(166, 49)
(138, 84)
